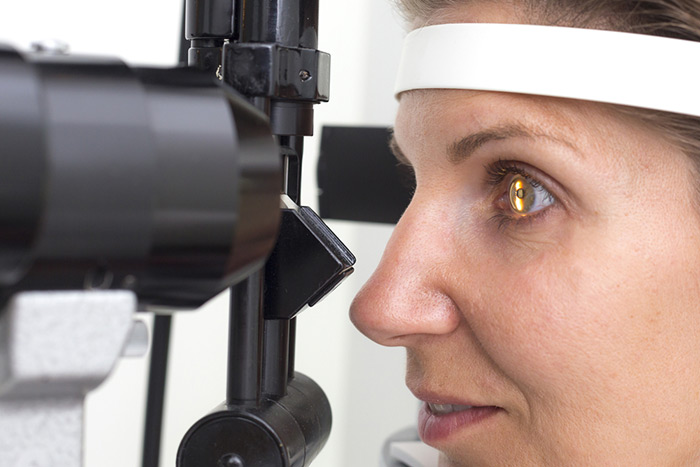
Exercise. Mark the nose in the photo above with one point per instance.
(404, 298)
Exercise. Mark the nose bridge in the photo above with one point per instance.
(412, 251)
(404, 296)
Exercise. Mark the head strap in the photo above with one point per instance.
(602, 66)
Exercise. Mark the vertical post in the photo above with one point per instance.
(155, 398)
(289, 23)
(270, 58)
(245, 342)
(276, 357)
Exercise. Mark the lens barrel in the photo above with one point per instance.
(162, 181)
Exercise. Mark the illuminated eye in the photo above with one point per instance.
(527, 197)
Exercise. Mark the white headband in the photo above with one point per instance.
(603, 66)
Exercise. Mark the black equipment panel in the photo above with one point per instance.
(359, 178)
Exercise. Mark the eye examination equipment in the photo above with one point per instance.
(602, 66)
(347, 154)
(130, 189)
(147, 189)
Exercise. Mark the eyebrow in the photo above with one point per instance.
(462, 149)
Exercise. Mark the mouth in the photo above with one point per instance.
(438, 421)
(445, 409)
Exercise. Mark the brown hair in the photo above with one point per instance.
(679, 19)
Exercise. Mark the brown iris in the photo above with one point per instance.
(521, 195)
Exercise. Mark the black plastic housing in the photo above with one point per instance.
(161, 181)
(287, 432)
(359, 179)
(307, 263)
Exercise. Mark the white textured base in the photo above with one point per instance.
(38, 433)
(55, 347)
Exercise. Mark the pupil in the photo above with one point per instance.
(520, 193)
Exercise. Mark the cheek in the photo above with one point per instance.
(576, 315)
(530, 318)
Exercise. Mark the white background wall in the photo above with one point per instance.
(363, 381)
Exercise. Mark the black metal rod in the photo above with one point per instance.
(209, 19)
(292, 23)
(155, 399)
(292, 166)
(276, 358)
(292, 347)
(184, 42)
(245, 342)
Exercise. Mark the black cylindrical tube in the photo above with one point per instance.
(157, 377)
(292, 347)
(184, 41)
(245, 342)
(304, 31)
(22, 165)
(208, 19)
(291, 23)
(205, 54)
(292, 166)
(275, 358)
(285, 432)
(312, 411)
(161, 181)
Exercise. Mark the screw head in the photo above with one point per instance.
(305, 75)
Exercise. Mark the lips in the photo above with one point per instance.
(444, 409)
(438, 421)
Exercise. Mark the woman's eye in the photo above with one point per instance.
(527, 196)
(520, 196)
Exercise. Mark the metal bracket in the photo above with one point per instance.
(272, 70)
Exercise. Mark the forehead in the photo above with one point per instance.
(430, 123)
(427, 116)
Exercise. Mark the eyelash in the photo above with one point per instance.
(496, 173)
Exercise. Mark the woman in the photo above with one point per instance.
(544, 279)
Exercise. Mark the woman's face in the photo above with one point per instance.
(546, 275)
